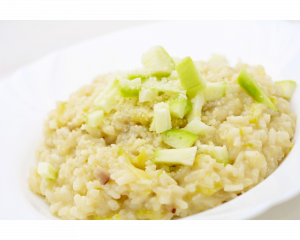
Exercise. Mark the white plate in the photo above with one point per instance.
(27, 96)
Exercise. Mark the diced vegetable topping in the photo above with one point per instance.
(163, 86)
(288, 87)
(190, 78)
(47, 171)
(162, 118)
(108, 101)
(189, 107)
(214, 91)
(158, 62)
(140, 160)
(197, 103)
(177, 138)
(248, 83)
(95, 118)
(130, 88)
(138, 73)
(197, 127)
(178, 106)
(103, 95)
(146, 95)
(218, 153)
(183, 156)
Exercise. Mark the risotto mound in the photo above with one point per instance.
(170, 140)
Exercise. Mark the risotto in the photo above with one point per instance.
(174, 138)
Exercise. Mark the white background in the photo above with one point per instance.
(22, 42)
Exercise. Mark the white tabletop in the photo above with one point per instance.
(22, 42)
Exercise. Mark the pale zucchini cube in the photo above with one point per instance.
(162, 118)
(183, 156)
(146, 95)
(190, 78)
(108, 101)
(197, 104)
(47, 171)
(288, 87)
(214, 91)
(197, 127)
(178, 106)
(216, 152)
(95, 118)
(158, 62)
(130, 88)
(178, 138)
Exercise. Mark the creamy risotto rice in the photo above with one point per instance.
(104, 165)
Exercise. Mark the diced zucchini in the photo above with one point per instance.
(189, 107)
(197, 103)
(110, 86)
(248, 83)
(178, 106)
(138, 73)
(190, 78)
(218, 153)
(178, 138)
(163, 86)
(162, 118)
(183, 156)
(108, 101)
(197, 127)
(214, 91)
(158, 62)
(47, 171)
(130, 88)
(146, 95)
(95, 118)
(288, 87)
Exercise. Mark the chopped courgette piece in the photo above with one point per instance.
(47, 171)
(94, 118)
(178, 106)
(197, 127)
(178, 138)
(216, 152)
(197, 103)
(138, 73)
(189, 107)
(162, 118)
(108, 101)
(190, 78)
(158, 62)
(163, 86)
(214, 91)
(146, 95)
(247, 82)
(288, 87)
(183, 156)
(130, 88)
